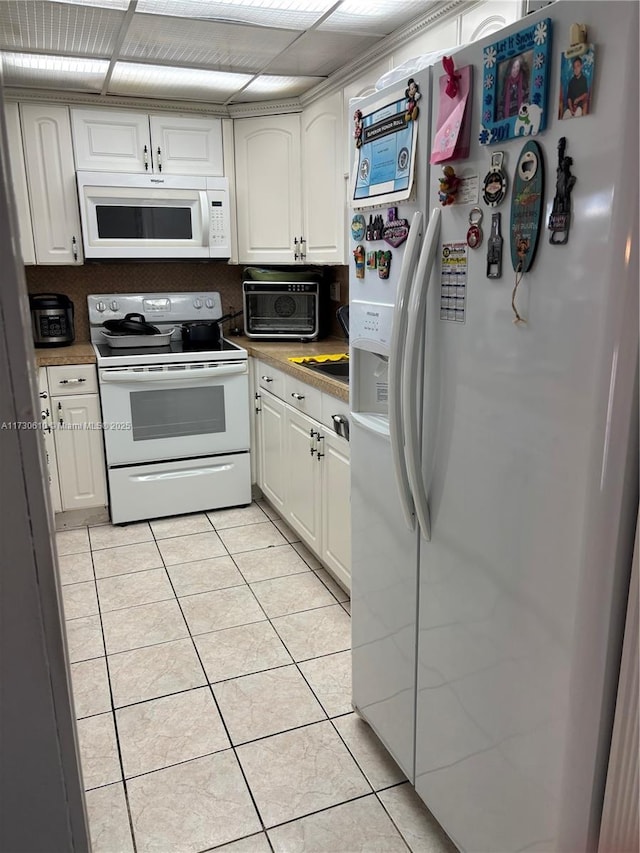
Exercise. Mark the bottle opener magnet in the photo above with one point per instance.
(494, 187)
(494, 248)
(474, 234)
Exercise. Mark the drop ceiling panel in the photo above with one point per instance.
(269, 87)
(289, 14)
(320, 53)
(181, 84)
(35, 70)
(377, 18)
(179, 41)
(58, 27)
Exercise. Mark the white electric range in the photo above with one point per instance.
(176, 420)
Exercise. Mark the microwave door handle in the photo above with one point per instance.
(126, 376)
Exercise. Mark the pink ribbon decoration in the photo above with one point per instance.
(452, 82)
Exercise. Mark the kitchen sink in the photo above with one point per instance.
(337, 369)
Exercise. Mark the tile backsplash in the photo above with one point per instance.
(78, 282)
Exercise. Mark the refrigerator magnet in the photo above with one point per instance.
(474, 234)
(358, 256)
(527, 196)
(449, 185)
(412, 94)
(358, 226)
(395, 231)
(372, 260)
(577, 66)
(358, 127)
(494, 186)
(494, 248)
(560, 218)
(384, 264)
(515, 84)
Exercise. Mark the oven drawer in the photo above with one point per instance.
(191, 485)
(73, 379)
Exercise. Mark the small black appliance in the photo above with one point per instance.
(51, 319)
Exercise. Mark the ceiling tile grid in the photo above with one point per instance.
(215, 51)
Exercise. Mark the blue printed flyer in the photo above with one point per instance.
(383, 169)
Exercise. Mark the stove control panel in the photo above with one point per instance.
(168, 309)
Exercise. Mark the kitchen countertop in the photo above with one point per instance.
(275, 353)
(78, 353)
(278, 353)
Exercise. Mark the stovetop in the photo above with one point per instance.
(166, 311)
(174, 353)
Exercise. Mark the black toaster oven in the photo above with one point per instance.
(285, 310)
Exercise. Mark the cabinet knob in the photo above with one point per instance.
(266, 378)
(74, 248)
(44, 395)
(297, 396)
(320, 454)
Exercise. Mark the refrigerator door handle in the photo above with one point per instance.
(411, 397)
(396, 367)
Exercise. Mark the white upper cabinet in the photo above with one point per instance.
(19, 182)
(51, 178)
(487, 18)
(268, 188)
(187, 145)
(111, 140)
(323, 181)
(127, 141)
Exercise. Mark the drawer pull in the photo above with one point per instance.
(267, 378)
(297, 396)
(71, 381)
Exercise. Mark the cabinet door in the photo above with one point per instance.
(19, 182)
(51, 178)
(486, 18)
(336, 507)
(271, 473)
(47, 420)
(187, 146)
(303, 484)
(323, 181)
(80, 451)
(268, 189)
(111, 140)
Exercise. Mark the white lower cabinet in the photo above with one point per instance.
(303, 509)
(46, 416)
(80, 451)
(270, 430)
(72, 438)
(302, 465)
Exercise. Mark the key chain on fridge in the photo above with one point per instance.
(527, 198)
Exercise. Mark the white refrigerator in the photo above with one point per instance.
(495, 472)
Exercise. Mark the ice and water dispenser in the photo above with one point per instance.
(370, 341)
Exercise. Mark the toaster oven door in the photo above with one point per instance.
(281, 314)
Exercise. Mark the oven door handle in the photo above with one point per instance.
(126, 376)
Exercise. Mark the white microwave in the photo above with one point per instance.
(154, 216)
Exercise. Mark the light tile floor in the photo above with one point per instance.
(211, 669)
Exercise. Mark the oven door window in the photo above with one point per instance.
(177, 412)
(139, 222)
(282, 312)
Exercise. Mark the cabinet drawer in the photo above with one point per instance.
(271, 379)
(303, 397)
(333, 406)
(73, 379)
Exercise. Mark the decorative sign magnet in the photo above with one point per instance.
(372, 260)
(412, 94)
(358, 254)
(577, 65)
(494, 248)
(358, 127)
(494, 187)
(358, 226)
(474, 234)
(449, 184)
(384, 264)
(527, 198)
(560, 218)
(395, 230)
